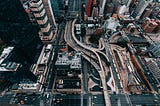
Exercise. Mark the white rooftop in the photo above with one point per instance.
(5, 53)
(73, 60)
(28, 86)
(111, 24)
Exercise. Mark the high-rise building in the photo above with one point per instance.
(140, 7)
(127, 2)
(154, 49)
(48, 7)
(95, 9)
(17, 30)
(89, 6)
(102, 7)
(95, 12)
(41, 16)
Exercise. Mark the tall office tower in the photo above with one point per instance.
(48, 7)
(40, 13)
(89, 6)
(128, 2)
(149, 25)
(102, 7)
(17, 30)
(142, 4)
(94, 12)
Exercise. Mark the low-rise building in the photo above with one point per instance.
(154, 49)
(68, 73)
(153, 67)
(8, 68)
(73, 60)
(149, 25)
(40, 69)
(26, 87)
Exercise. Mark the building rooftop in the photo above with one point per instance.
(111, 24)
(45, 54)
(155, 49)
(153, 67)
(7, 65)
(28, 86)
(72, 59)
(5, 53)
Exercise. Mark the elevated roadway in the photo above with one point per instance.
(78, 46)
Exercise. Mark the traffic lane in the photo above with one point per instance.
(27, 99)
(84, 75)
(144, 99)
(98, 100)
(52, 73)
(67, 100)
